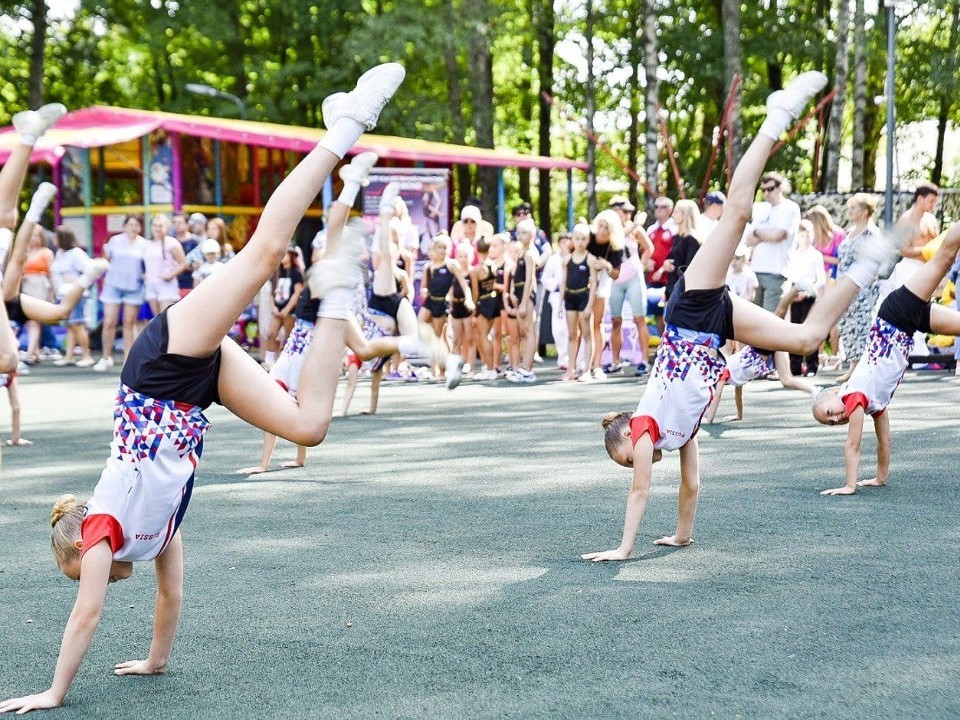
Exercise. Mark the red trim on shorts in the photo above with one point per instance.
(854, 400)
(101, 527)
(641, 425)
(724, 375)
(282, 384)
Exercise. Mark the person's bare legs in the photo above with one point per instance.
(269, 443)
(14, 395)
(689, 492)
(596, 333)
(13, 273)
(616, 339)
(111, 314)
(781, 361)
(50, 313)
(573, 328)
(352, 373)
(924, 282)
(130, 330)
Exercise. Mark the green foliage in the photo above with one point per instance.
(283, 58)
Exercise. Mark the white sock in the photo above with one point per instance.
(778, 119)
(38, 204)
(337, 303)
(269, 357)
(863, 271)
(342, 136)
(409, 345)
(348, 196)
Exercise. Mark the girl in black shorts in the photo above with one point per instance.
(578, 287)
(464, 338)
(521, 302)
(487, 284)
(438, 279)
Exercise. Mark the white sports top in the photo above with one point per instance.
(144, 490)
(747, 365)
(681, 386)
(880, 369)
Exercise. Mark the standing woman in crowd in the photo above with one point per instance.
(68, 264)
(631, 286)
(122, 286)
(578, 287)
(464, 341)
(487, 286)
(607, 243)
(521, 302)
(827, 237)
(217, 229)
(686, 215)
(855, 324)
(38, 283)
(161, 260)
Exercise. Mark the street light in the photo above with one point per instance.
(201, 89)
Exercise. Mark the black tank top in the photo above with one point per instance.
(307, 307)
(578, 275)
(520, 278)
(439, 282)
(485, 286)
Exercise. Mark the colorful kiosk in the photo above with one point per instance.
(110, 162)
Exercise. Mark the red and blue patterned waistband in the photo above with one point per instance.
(710, 340)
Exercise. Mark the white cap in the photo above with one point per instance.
(471, 212)
(209, 246)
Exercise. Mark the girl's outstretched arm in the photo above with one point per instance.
(169, 567)
(94, 577)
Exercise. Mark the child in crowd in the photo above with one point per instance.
(741, 280)
(701, 315)
(9, 381)
(210, 249)
(579, 288)
(521, 303)
(486, 280)
(875, 379)
(182, 363)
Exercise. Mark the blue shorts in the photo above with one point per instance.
(78, 316)
(111, 295)
(635, 291)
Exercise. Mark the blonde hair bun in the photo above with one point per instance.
(610, 417)
(66, 504)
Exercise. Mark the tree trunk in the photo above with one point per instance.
(481, 76)
(875, 87)
(591, 146)
(525, 87)
(946, 96)
(633, 87)
(733, 66)
(650, 64)
(546, 42)
(835, 126)
(463, 186)
(37, 48)
(859, 93)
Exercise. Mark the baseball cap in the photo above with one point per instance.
(742, 251)
(715, 198)
(622, 201)
(197, 218)
(471, 212)
(209, 246)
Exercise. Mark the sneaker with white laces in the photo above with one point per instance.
(103, 364)
(795, 97)
(359, 168)
(365, 102)
(454, 370)
(32, 124)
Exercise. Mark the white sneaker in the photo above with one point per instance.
(599, 374)
(103, 364)
(32, 124)
(359, 168)
(586, 378)
(44, 193)
(388, 198)
(454, 370)
(885, 250)
(528, 377)
(85, 363)
(94, 270)
(795, 97)
(364, 103)
(467, 369)
(512, 376)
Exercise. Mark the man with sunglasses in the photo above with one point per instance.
(775, 222)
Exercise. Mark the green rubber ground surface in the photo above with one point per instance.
(425, 565)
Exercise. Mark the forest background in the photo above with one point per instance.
(651, 77)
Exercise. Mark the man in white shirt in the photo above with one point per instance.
(775, 222)
(712, 210)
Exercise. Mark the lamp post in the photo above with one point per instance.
(201, 89)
